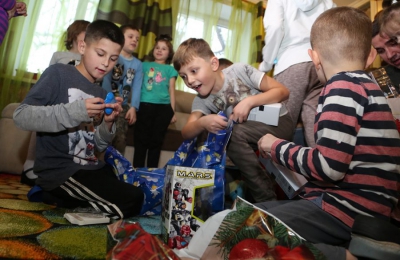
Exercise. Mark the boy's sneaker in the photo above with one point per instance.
(26, 180)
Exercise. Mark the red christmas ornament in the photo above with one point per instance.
(250, 248)
(278, 252)
(299, 253)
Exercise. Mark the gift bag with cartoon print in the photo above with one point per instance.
(194, 187)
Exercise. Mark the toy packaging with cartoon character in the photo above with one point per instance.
(188, 199)
(193, 188)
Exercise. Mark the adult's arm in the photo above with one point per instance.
(274, 33)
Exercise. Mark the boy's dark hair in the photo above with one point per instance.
(224, 63)
(128, 26)
(190, 49)
(342, 33)
(73, 30)
(167, 39)
(100, 29)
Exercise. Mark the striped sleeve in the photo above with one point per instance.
(7, 4)
(337, 122)
(357, 150)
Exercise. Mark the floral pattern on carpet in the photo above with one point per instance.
(34, 230)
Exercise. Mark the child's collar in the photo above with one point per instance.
(219, 82)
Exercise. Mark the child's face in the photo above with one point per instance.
(98, 58)
(198, 75)
(161, 52)
(131, 40)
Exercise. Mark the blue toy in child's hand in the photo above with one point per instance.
(109, 100)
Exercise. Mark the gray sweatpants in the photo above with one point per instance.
(302, 81)
(241, 149)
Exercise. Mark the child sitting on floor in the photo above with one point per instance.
(66, 109)
(238, 88)
(356, 160)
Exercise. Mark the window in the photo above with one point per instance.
(55, 17)
(195, 29)
(203, 19)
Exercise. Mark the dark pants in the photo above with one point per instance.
(150, 128)
(241, 148)
(326, 232)
(102, 190)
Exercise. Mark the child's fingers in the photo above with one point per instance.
(94, 104)
(114, 106)
(119, 100)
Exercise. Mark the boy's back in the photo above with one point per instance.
(355, 167)
(357, 143)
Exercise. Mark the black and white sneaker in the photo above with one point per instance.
(26, 180)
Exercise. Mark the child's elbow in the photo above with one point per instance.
(285, 93)
(186, 133)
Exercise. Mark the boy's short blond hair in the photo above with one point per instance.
(342, 34)
(190, 49)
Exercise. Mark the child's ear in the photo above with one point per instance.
(371, 57)
(315, 58)
(81, 47)
(214, 63)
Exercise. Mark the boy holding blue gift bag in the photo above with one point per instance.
(239, 86)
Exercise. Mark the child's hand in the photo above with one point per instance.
(241, 111)
(117, 108)
(173, 119)
(21, 9)
(131, 116)
(265, 144)
(214, 123)
(94, 107)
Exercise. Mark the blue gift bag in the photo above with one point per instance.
(150, 180)
(194, 187)
(211, 155)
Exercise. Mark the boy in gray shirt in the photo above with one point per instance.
(239, 88)
(66, 109)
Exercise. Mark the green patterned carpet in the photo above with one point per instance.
(32, 230)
